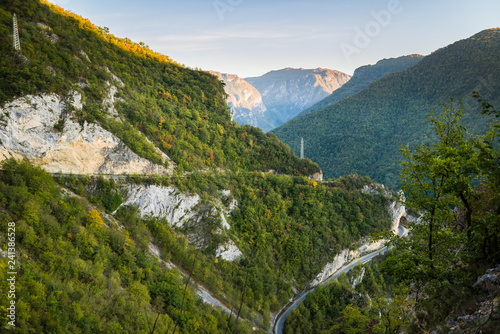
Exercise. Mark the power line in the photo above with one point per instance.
(17, 44)
(302, 148)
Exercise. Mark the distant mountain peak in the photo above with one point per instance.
(276, 96)
(287, 91)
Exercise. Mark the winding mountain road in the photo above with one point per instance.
(280, 322)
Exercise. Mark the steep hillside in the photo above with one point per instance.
(229, 206)
(363, 77)
(362, 133)
(79, 270)
(288, 91)
(244, 100)
(181, 111)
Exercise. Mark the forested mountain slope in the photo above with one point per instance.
(362, 133)
(182, 111)
(446, 271)
(363, 77)
(231, 206)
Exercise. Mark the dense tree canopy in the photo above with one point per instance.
(362, 133)
(181, 111)
(453, 185)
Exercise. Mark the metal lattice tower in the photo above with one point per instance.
(17, 45)
(302, 148)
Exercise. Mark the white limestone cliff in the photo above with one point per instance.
(180, 209)
(228, 251)
(28, 131)
(244, 99)
(162, 202)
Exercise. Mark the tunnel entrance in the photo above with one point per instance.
(403, 221)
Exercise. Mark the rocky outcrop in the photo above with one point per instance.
(482, 318)
(162, 202)
(397, 210)
(490, 281)
(358, 279)
(344, 257)
(317, 176)
(39, 129)
(185, 211)
(228, 251)
(376, 189)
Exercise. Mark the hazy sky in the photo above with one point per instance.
(251, 37)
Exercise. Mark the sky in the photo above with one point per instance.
(252, 37)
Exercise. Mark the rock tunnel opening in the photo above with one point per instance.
(403, 221)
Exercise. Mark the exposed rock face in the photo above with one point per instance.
(270, 100)
(184, 211)
(376, 190)
(287, 92)
(28, 130)
(487, 303)
(357, 280)
(317, 176)
(490, 281)
(162, 202)
(397, 210)
(229, 251)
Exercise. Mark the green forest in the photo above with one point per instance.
(363, 133)
(181, 110)
(83, 259)
(453, 183)
(84, 267)
(79, 272)
(287, 228)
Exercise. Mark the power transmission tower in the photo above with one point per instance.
(302, 148)
(17, 44)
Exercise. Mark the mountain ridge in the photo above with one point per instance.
(361, 133)
(290, 88)
(363, 76)
(285, 92)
